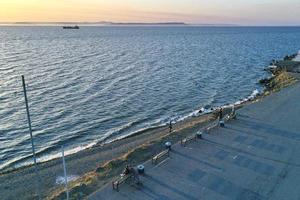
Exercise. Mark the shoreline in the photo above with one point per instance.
(202, 112)
(159, 128)
(20, 164)
(97, 165)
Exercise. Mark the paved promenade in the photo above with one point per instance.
(256, 156)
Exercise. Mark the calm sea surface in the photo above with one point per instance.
(100, 83)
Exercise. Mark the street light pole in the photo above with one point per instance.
(31, 138)
(65, 171)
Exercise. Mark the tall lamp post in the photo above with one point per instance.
(31, 138)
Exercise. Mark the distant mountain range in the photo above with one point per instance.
(107, 23)
(94, 23)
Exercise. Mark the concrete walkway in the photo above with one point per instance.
(256, 156)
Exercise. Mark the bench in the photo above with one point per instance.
(160, 155)
(230, 116)
(122, 179)
(184, 141)
(233, 115)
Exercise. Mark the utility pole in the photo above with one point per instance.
(65, 171)
(31, 138)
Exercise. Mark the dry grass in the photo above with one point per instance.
(281, 80)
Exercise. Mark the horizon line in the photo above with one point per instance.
(167, 23)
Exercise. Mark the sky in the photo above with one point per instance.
(238, 12)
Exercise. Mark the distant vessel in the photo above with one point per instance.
(71, 27)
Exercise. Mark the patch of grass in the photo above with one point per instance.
(280, 80)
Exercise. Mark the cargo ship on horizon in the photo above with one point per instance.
(71, 27)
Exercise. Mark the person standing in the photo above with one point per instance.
(221, 114)
(170, 126)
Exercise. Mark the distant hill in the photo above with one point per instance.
(108, 23)
(103, 23)
(138, 24)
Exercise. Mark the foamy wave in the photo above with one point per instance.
(67, 152)
(86, 146)
(160, 123)
(48, 157)
(129, 134)
(195, 113)
(251, 97)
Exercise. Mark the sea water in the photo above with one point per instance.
(97, 84)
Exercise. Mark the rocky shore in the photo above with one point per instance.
(283, 73)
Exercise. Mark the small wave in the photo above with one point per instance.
(251, 97)
(116, 131)
(161, 122)
(45, 158)
(7, 68)
(255, 93)
(25, 161)
(134, 133)
(67, 152)
(196, 113)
